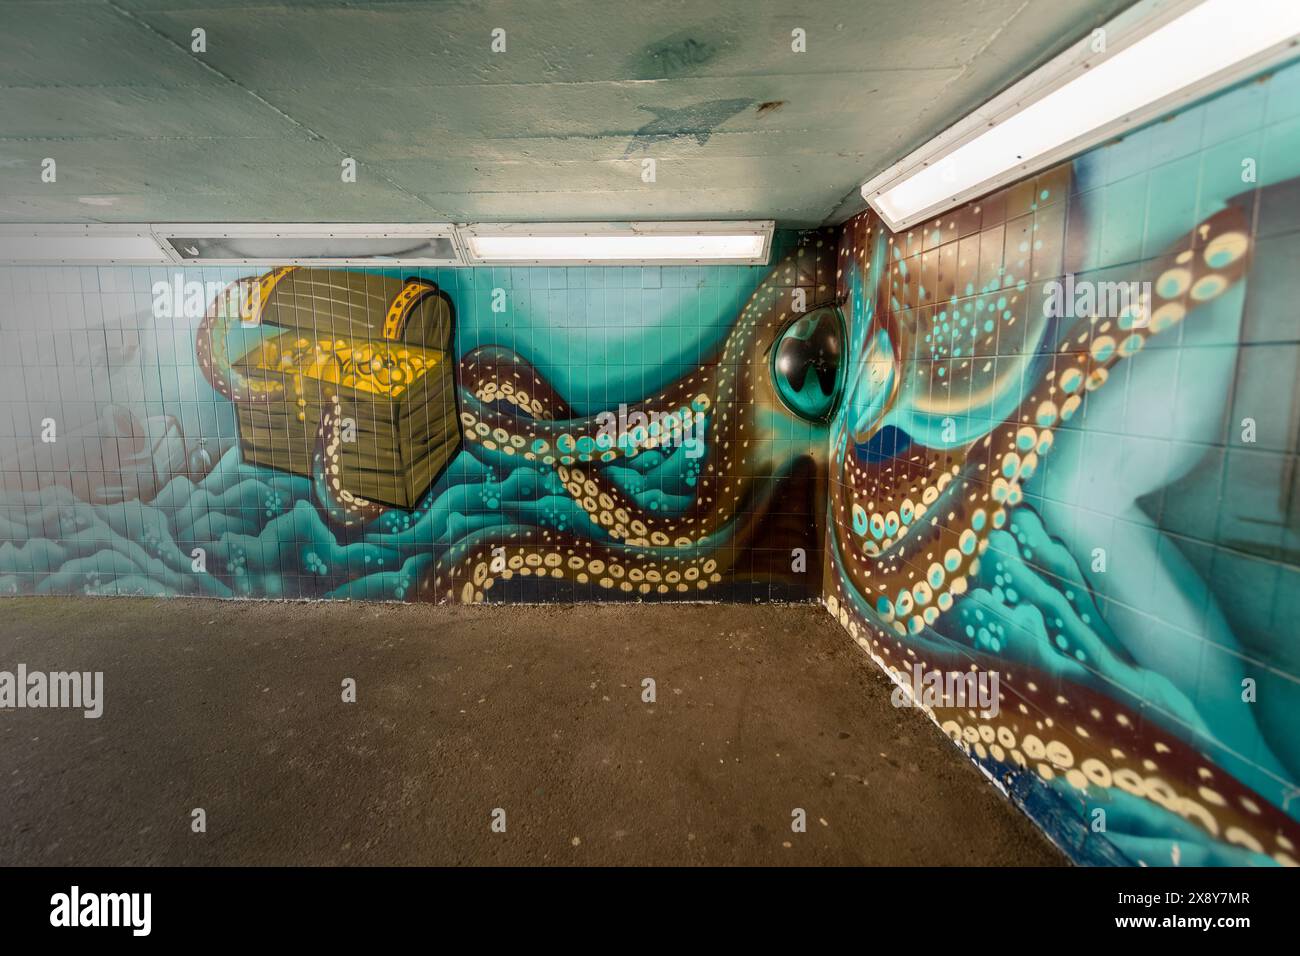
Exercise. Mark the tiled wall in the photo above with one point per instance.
(1097, 508)
(122, 469)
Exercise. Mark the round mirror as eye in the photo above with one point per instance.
(808, 364)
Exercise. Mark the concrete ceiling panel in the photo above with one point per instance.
(555, 127)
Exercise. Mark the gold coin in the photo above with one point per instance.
(332, 371)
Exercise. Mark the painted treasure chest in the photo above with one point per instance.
(384, 347)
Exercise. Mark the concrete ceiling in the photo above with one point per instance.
(442, 128)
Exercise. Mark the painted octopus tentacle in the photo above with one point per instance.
(922, 517)
(726, 484)
(1091, 745)
(1200, 269)
(721, 391)
(470, 570)
(495, 373)
(720, 396)
(913, 592)
(210, 342)
(722, 487)
(574, 440)
(340, 505)
(545, 428)
(619, 515)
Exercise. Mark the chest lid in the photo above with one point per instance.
(358, 306)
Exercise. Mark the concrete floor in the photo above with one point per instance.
(236, 708)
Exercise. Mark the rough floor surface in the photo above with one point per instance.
(236, 708)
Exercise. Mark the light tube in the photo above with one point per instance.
(1161, 53)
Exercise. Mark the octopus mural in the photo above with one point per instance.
(975, 469)
(1127, 722)
(710, 486)
(750, 452)
(740, 436)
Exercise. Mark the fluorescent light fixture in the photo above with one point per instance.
(387, 244)
(318, 244)
(68, 244)
(601, 243)
(1155, 57)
